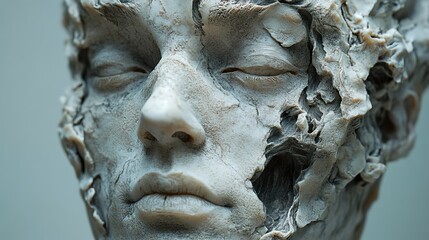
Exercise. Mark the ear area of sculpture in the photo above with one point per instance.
(247, 119)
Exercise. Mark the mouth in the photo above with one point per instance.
(174, 198)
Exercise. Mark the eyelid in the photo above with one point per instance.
(256, 82)
(112, 76)
(262, 70)
(115, 82)
(263, 65)
(113, 69)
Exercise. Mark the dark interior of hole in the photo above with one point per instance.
(380, 75)
(274, 186)
(388, 127)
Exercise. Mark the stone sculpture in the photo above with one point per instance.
(239, 119)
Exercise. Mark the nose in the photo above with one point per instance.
(167, 119)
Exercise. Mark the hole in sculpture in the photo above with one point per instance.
(274, 185)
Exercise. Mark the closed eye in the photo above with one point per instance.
(265, 64)
(261, 72)
(264, 70)
(112, 69)
(111, 77)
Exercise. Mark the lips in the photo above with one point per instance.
(175, 199)
(172, 185)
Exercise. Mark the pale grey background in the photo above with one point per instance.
(39, 193)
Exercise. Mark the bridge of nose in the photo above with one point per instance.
(165, 114)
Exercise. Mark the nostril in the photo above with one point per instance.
(148, 136)
(184, 137)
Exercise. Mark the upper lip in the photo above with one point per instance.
(172, 184)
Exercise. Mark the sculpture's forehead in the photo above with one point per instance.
(166, 12)
(165, 20)
(183, 16)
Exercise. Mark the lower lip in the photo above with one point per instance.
(174, 209)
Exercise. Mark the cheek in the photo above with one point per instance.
(239, 139)
(111, 126)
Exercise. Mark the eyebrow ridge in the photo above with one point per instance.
(226, 11)
(113, 10)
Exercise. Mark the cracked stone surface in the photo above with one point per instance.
(244, 119)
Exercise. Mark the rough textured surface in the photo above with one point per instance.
(240, 119)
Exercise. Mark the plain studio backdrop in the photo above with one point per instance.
(39, 192)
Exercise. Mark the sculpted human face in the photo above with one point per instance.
(177, 118)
